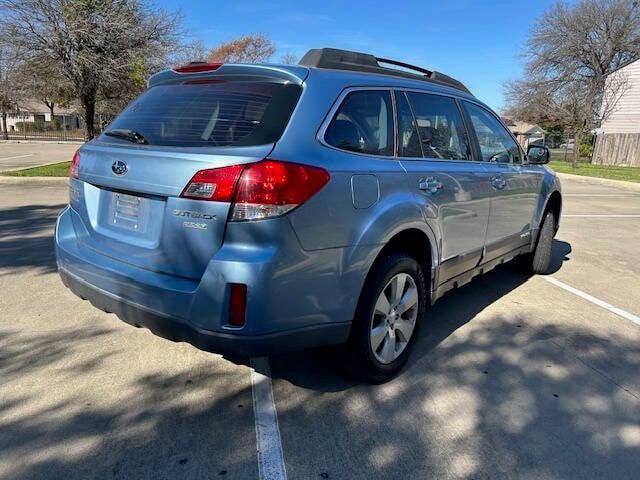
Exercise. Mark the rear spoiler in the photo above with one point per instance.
(231, 71)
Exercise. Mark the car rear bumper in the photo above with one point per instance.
(178, 330)
(288, 308)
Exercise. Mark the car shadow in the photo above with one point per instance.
(26, 238)
(322, 369)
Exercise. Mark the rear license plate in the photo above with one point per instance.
(128, 211)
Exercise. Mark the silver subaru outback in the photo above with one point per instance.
(254, 209)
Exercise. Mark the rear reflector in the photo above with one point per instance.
(237, 304)
(74, 168)
(195, 67)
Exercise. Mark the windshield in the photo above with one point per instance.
(210, 113)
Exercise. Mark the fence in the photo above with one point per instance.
(617, 149)
(34, 126)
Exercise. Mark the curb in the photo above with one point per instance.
(62, 181)
(601, 181)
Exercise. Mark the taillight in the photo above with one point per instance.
(74, 168)
(265, 189)
(215, 184)
(271, 188)
(195, 67)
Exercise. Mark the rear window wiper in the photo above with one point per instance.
(126, 134)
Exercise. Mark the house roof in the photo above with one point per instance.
(33, 105)
(523, 128)
(625, 64)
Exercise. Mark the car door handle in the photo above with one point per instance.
(498, 182)
(430, 185)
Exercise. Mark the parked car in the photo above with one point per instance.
(253, 209)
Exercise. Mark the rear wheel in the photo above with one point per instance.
(387, 319)
(539, 260)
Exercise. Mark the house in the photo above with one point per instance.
(33, 115)
(618, 138)
(526, 133)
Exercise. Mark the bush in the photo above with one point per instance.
(586, 149)
(30, 126)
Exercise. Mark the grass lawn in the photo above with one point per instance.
(53, 170)
(630, 174)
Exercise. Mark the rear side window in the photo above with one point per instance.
(363, 123)
(212, 113)
(496, 145)
(442, 132)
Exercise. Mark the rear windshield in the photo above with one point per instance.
(211, 113)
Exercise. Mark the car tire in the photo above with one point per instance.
(395, 276)
(539, 261)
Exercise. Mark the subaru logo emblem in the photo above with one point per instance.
(119, 167)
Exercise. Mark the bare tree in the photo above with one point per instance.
(288, 59)
(571, 52)
(191, 51)
(96, 44)
(44, 80)
(249, 49)
(10, 85)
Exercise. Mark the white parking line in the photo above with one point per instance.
(601, 195)
(618, 311)
(17, 156)
(631, 215)
(270, 457)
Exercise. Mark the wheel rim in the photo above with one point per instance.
(394, 318)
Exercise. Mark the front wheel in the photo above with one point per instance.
(539, 261)
(388, 316)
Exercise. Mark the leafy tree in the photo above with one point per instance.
(571, 51)
(248, 49)
(97, 43)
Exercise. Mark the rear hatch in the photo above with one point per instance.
(128, 194)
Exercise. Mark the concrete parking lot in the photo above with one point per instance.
(14, 156)
(512, 376)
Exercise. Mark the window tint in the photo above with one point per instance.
(496, 145)
(440, 126)
(408, 139)
(211, 113)
(363, 123)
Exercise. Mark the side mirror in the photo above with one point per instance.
(538, 155)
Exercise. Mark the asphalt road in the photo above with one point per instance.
(512, 377)
(15, 156)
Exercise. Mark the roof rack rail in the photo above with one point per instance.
(364, 62)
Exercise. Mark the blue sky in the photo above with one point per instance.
(478, 42)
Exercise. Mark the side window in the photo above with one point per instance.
(408, 139)
(440, 126)
(496, 145)
(363, 123)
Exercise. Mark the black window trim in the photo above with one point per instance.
(501, 123)
(415, 124)
(336, 106)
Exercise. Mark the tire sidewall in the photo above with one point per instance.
(383, 272)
